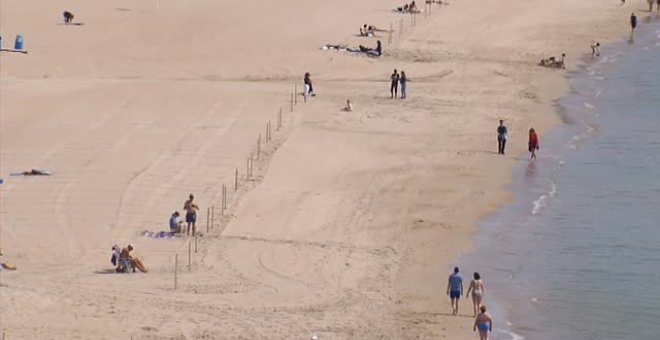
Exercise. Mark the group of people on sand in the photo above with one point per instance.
(503, 135)
(483, 322)
(175, 223)
(554, 62)
(395, 80)
(651, 5)
(124, 261)
(367, 30)
(408, 8)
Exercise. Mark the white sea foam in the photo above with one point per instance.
(588, 105)
(512, 335)
(539, 203)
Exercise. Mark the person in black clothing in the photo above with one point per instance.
(633, 21)
(394, 87)
(68, 17)
(501, 137)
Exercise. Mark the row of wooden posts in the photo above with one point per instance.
(249, 173)
(413, 23)
(267, 137)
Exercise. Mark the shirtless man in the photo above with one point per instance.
(484, 323)
(191, 214)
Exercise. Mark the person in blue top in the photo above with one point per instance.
(455, 289)
(176, 225)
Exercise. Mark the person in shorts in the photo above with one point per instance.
(455, 289)
(191, 214)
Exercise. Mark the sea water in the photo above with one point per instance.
(577, 254)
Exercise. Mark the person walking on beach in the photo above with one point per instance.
(68, 17)
(191, 214)
(595, 46)
(633, 22)
(501, 137)
(404, 85)
(533, 143)
(477, 289)
(394, 86)
(455, 289)
(657, 8)
(484, 323)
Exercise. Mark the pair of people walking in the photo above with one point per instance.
(395, 80)
(502, 136)
(483, 321)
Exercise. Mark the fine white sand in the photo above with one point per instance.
(348, 228)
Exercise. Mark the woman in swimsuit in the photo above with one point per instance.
(477, 289)
(533, 143)
(484, 323)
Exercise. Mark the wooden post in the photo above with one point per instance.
(295, 96)
(259, 147)
(247, 171)
(195, 243)
(208, 218)
(279, 119)
(412, 20)
(400, 28)
(270, 131)
(176, 265)
(389, 35)
(251, 166)
(212, 216)
(236, 180)
(292, 96)
(224, 199)
(189, 253)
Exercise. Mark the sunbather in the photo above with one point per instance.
(135, 262)
(176, 225)
(33, 172)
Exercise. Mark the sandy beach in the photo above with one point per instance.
(351, 220)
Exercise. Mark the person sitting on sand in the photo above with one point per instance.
(135, 262)
(176, 225)
(116, 254)
(413, 8)
(68, 17)
(403, 9)
(5, 265)
(349, 106)
(367, 31)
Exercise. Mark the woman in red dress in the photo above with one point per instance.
(533, 142)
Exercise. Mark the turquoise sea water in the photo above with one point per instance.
(577, 254)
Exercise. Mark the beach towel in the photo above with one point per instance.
(160, 234)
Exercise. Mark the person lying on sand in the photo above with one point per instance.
(552, 62)
(135, 262)
(403, 9)
(32, 172)
(372, 52)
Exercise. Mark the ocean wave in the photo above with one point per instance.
(511, 335)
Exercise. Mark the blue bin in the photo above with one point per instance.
(18, 43)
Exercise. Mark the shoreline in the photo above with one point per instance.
(518, 208)
(379, 194)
